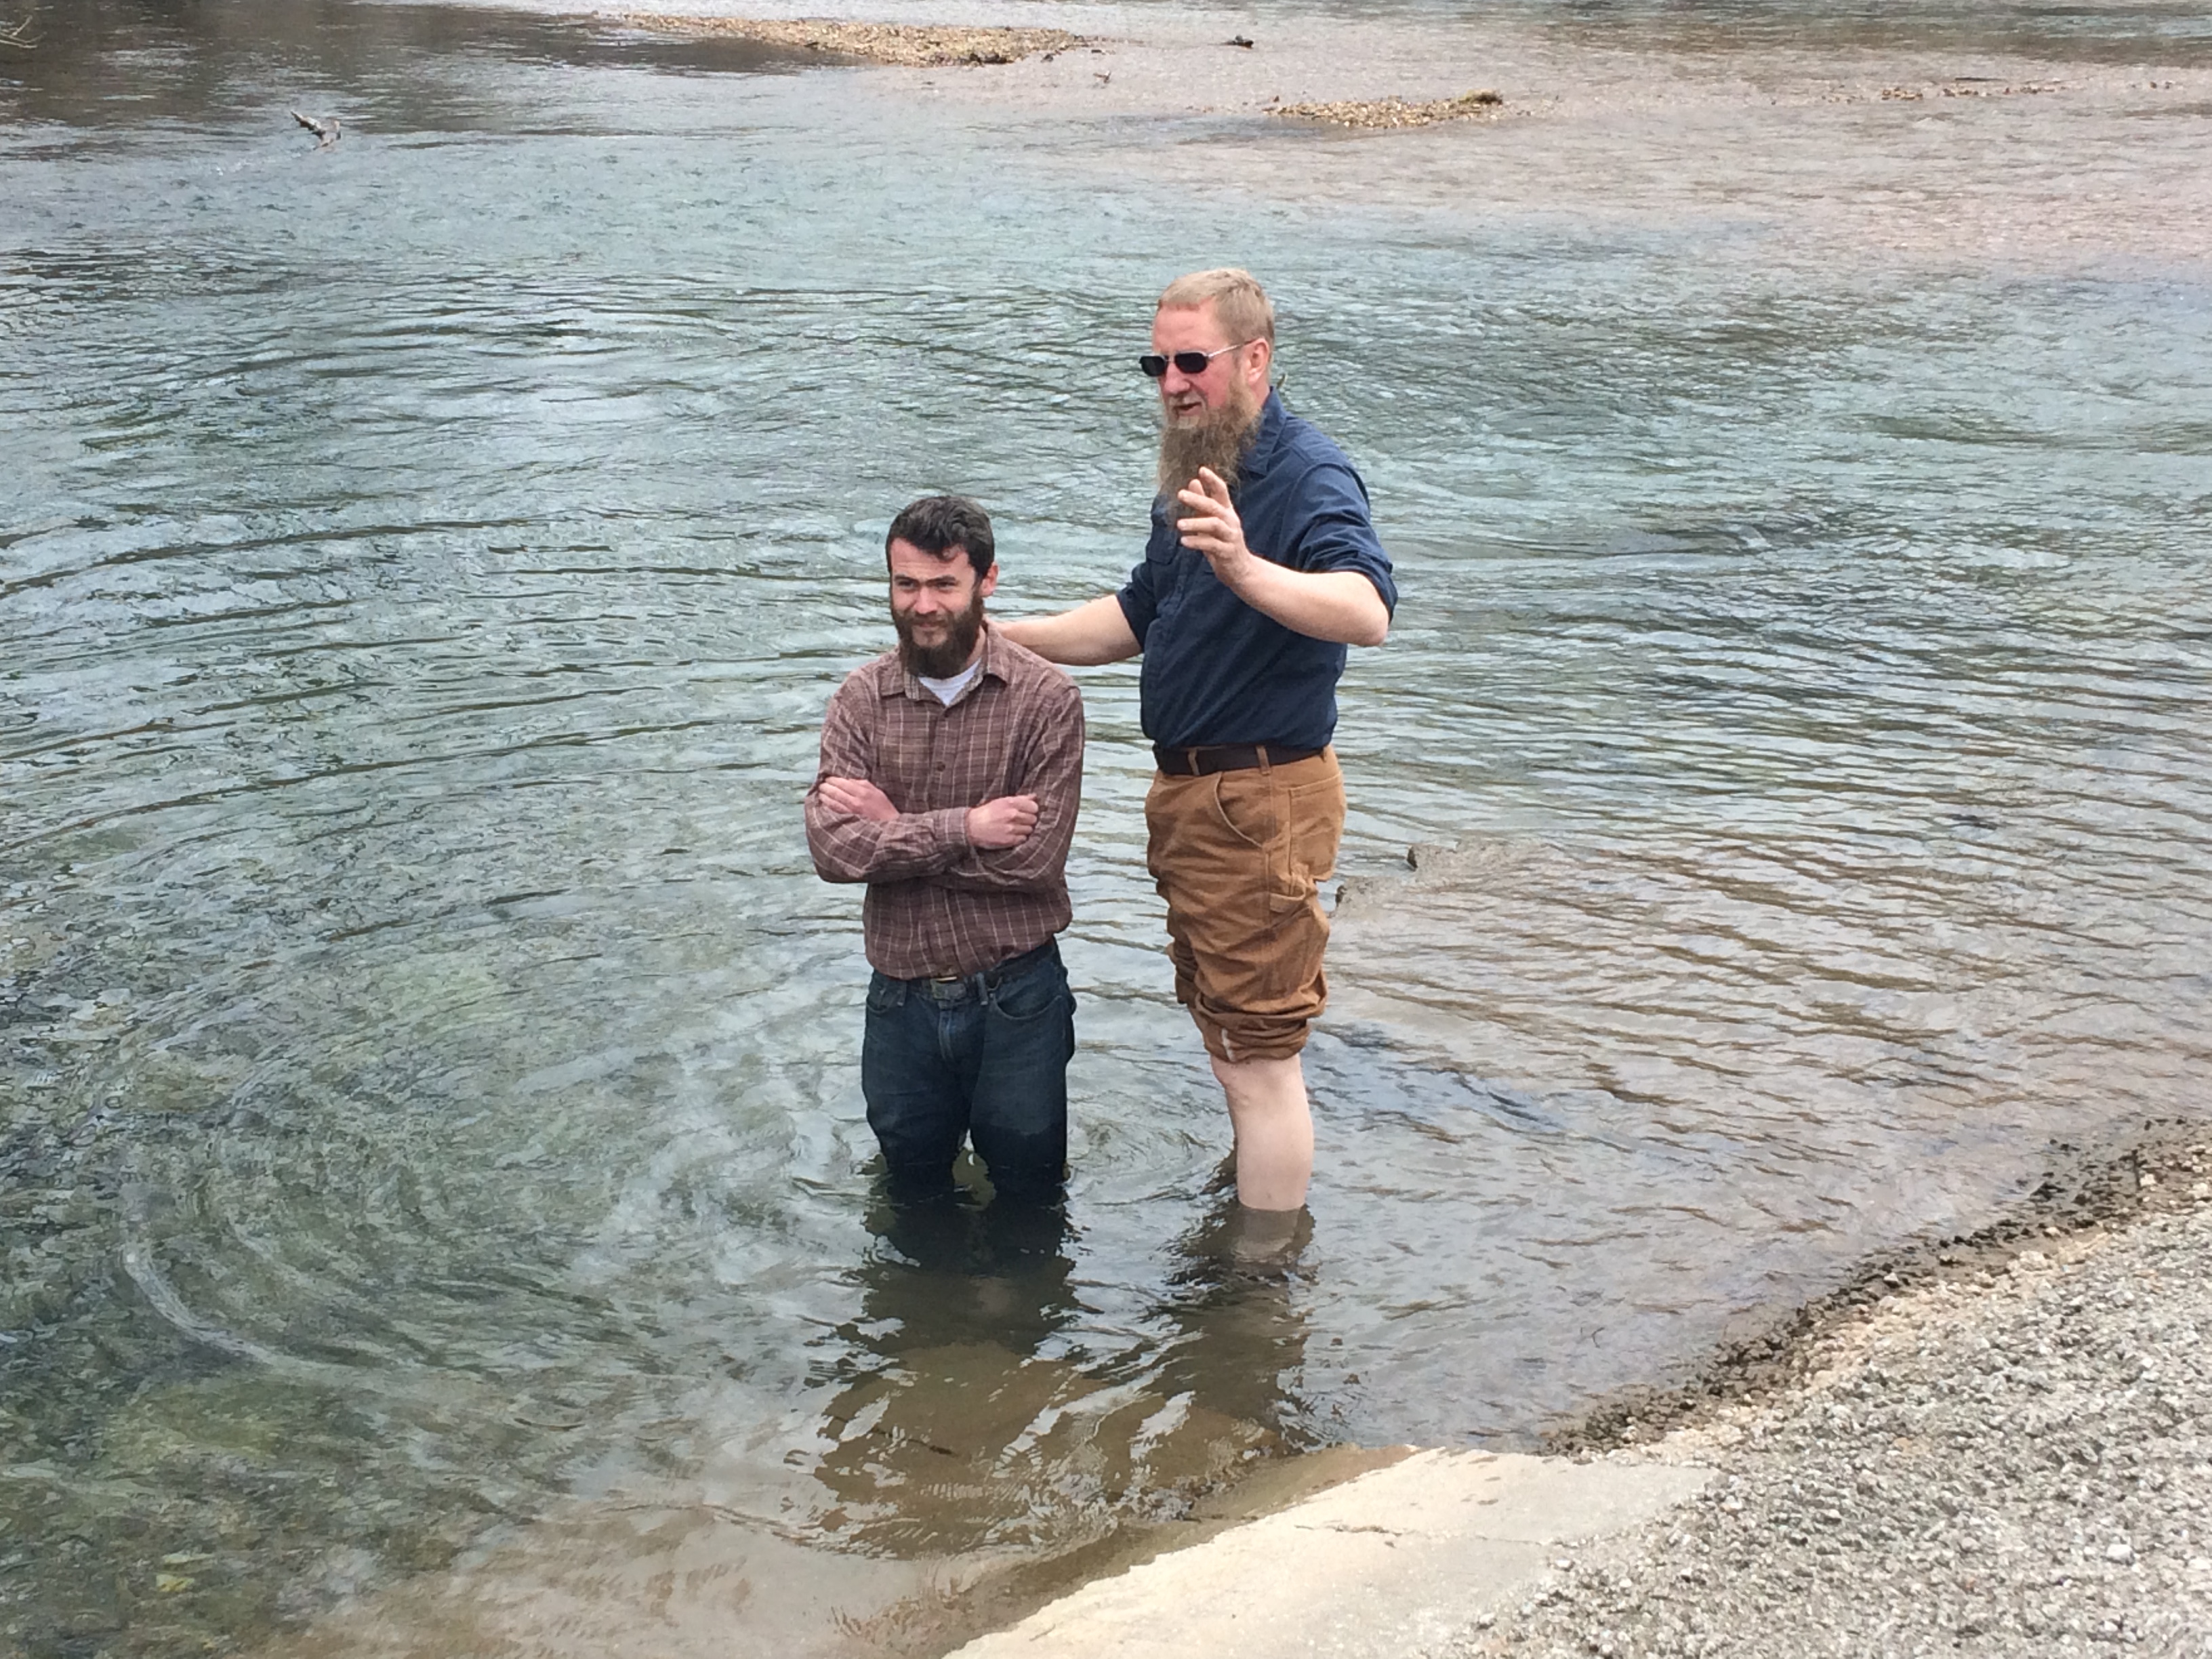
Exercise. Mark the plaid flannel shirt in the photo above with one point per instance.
(937, 904)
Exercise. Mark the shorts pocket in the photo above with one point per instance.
(1314, 814)
(1244, 801)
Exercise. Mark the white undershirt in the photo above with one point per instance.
(945, 690)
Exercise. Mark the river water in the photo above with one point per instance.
(428, 1087)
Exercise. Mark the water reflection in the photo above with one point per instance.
(943, 1376)
(1239, 1343)
(971, 1413)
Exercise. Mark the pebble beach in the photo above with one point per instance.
(2012, 1458)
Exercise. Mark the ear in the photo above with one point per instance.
(988, 583)
(1256, 366)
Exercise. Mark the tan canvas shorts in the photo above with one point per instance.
(1240, 857)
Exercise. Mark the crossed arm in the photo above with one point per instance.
(1012, 843)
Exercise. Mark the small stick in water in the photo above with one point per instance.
(326, 130)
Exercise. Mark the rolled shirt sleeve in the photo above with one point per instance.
(1336, 532)
(1140, 600)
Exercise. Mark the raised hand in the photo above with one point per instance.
(1005, 822)
(1211, 526)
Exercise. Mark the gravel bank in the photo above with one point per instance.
(1393, 113)
(2015, 1459)
(910, 45)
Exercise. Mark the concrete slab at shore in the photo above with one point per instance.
(1391, 1562)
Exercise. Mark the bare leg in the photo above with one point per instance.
(1274, 1130)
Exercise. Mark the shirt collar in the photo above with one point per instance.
(1273, 418)
(993, 661)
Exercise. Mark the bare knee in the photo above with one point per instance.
(1257, 1085)
(1273, 1128)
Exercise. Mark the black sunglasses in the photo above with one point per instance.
(1186, 362)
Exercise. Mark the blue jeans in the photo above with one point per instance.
(984, 1058)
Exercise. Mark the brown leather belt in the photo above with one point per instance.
(940, 985)
(1206, 758)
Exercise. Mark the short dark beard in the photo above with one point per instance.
(1221, 441)
(940, 662)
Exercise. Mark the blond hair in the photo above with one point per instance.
(1238, 301)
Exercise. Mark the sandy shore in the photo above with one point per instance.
(2000, 1445)
(944, 46)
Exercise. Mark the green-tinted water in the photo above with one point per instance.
(429, 1096)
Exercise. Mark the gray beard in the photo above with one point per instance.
(1221, 442)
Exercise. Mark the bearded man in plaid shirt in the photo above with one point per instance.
(951, 773)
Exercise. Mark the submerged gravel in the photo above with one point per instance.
(2014, 1461)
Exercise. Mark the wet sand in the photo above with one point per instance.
(911, 45)
(673, 1573)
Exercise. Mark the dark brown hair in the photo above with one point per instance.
(943, 525)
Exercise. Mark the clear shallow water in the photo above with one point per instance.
(430, 1078)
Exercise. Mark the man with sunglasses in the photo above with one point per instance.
(1263, 567)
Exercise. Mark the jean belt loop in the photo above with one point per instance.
(1261, 749)
(1190, 759)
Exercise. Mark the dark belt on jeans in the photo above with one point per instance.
(1203, 759)
(993, 976)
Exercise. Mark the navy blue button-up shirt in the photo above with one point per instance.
(1215, 670)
